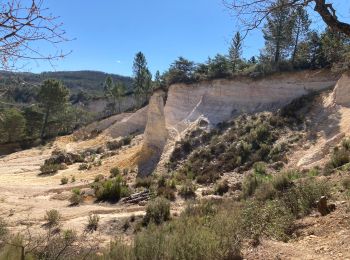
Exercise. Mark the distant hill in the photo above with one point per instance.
(90, 82)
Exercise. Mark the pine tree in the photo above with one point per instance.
(235, 51)
(301, 25)
(13, 125)
(278, 32)
(53, 96)
(142, 78)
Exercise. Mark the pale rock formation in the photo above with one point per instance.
(134, 123)
(220, 100)
(342, 90)
(155, 135)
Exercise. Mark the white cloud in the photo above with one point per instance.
(119, 61)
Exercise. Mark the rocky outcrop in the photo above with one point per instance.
(155, 135)
(342, 90)
(220, 100)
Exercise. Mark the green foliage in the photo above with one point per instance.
(282, 181)
(188, 190)
(53, 96)
(145, 182)
(111, 190)
(346, 182)
(157, 211)
(84, 167)
(222, 187)
(142, 79)
(271, 219)
(235, 51)
(3, 229)
(64, 180)
(93, 221)
(114, 172)
(302, 198)
(76, 197)
(50, 168)
(52, 218)
(180, 71)
(12, 125)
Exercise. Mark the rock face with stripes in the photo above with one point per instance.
(342, 90)
(155, 135)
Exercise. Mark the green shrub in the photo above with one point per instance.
(188, 190)
(73, 179)
(99, 177)
(157, 211)
(250, 184)
(281, 181)
(340, 157)
(64, 180)
(84, 166)
(271, 219)
(346, 182)
(259, 168)
(3, 229)
(265, 191)
(222, 187)
(111, 190)
(76, 198)
(93, 221)
(346, 143)
(52, 217)
(50, 168)
(302, 198)
(114, 172)
(144, 182)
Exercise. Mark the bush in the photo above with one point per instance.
(265, 191)
(84, 166)
(222, 187)
(114, 172)
(3, 228)
(76, 198)
(302, 198)
(281, 181)
(346, 182)
(50, 168)
(271, 219)
(99, 177)
(250, 184)
(340, 157)
(73, 179)
(187, 190)
(52, 217)
(157, 211)
(145, 182)
(111, 190)
(64, 180)
(93, 221)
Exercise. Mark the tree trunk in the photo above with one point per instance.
(295, 45)
(43, 129)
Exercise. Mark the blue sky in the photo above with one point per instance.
(108, 33)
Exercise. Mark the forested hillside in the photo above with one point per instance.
(90, 82)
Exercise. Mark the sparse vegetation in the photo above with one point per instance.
(64, 180)
(52, 218)
(111, 190)
(157, 211)
(188, 190)
(114, 172)
(76, 197)
(93, 222)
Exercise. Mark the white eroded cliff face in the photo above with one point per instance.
(155, 135)
(220, 100)
(342, 90)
